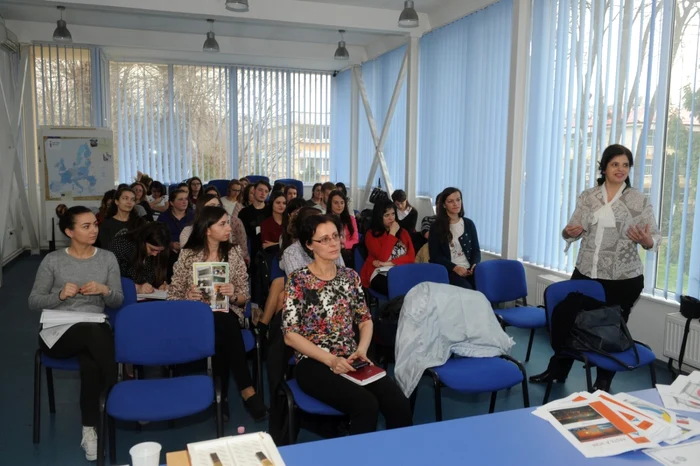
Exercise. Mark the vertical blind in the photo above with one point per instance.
(462, 115)
(595, 79)
(340, 126)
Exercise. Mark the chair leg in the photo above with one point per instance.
(492, 405)
(112, 432)
(529, 345)
(291, 414)
(438, 396)
(49, 388)
(218, 414)
(589, 384)
(526, 392)
(259, 368)
(547, 392)
(37, 396)
(652, 371)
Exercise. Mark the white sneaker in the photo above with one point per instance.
(89, 443)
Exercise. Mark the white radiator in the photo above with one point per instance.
(543, 281)
(673, 337)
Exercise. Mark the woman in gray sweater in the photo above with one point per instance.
(82, 278)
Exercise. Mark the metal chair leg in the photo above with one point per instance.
(101, 431)
(219, 414)
(112, 432)
(438, 396)
(259, 368)
(49, 388)
(492, 405)
(547, 392)
(652, 371)
(37, 396)
(529, 345)
(589, 384)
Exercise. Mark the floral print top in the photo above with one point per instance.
(323, 311)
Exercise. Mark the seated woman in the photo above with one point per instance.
(82, 278)
(209, 242)
(271, 227)
(177, 217)
(105, 204)
(211, 189)
(323, 301)
(351, 236)
(120, 217)
(453, 241)
(142, 206)
(387, 245)
(143, 256)
(238, 234)
(194, 186)
(407, 216)
(158, 199)
(231, 201)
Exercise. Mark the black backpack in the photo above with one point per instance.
(364, 221)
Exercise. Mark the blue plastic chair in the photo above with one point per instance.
(404, 277)
(556, 293)
(220, 185)
(296, 183)
(502, 281)
(255, 178)
(160, 333)
(66, 364)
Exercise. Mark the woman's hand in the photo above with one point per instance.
(394, 228)
(268, 244)
(226, 289)
(361, 355)
(193, 294)
(641, 235)
(573, 231)
(340, 365)
(461, 271)
(69, 290)
(163, 287)
(144, 288)
(470, 271)
(93, 288)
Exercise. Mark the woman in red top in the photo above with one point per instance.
(387, 245)
(271, 227)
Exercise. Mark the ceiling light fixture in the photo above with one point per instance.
(62, 34)
(239, 6)
(211, 45)
(408, 17)
(341, 53)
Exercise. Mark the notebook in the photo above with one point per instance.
(366, 375)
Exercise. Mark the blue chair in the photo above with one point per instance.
(220, 185)
(404, 277)
(255, 178)
(160, 333)
(172, 187)
(556, 293)
(502, 281)
(296, 183)
(66, 364)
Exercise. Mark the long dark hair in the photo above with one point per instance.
(104, 207)
(206, 217)
(67, 220)
(293, 217)
(610, 153)
(134, 219)
(204, 198)
(271, 201)
(246, 194)
(344, 215)
(155, 234)
(308, 229)
(380, 208)
(442, 219)
(189, 185)
(316, 185)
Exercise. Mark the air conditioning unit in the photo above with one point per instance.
(8, 39)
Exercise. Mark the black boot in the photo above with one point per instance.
(256, 407)
(545, 377)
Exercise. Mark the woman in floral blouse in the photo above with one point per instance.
(322, 303)
(209, 242)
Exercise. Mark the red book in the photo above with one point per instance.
(366, 375)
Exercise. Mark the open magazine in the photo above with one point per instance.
(240, 450)
(209, 277)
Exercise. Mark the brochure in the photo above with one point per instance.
(209, 277)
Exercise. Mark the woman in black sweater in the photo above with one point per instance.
(143, 256)
(120, 218)
(406, 215)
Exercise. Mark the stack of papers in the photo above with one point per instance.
(600, 424)
(157, 294)
(240, 450)
(55, 323)
(683, 394)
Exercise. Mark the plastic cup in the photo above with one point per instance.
(145, 454)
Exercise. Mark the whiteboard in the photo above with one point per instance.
(78, 163)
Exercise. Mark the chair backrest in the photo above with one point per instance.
(404, 277)
(359, 260)
(296, 183)
(255, 178)
(129, 290)
(221, 186)
(501, 280)
(172, 187)
(275, 270)
(557, 292)
(159, 333)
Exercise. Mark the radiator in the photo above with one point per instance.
(673, 336)
(543, 281)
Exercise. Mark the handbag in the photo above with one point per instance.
(603, 331)
(690, 309)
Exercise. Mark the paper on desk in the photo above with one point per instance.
(157, 294)
(685, 454)
(678, 396)
(235, 451)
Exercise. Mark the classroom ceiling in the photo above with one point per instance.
(421, 6)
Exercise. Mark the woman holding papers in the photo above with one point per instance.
(209, 242)
(387, 245)
(81, 278)
(143, 256)
(323, 301)
(611, 220)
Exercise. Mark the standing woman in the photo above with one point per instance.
(82, 278)
(337, 207)
(387, 245)
(323, 302)
(194, 184)
(177, 217)
(611, 220)
(120, 217)
(271, 227)
(142, 201)
(453, 241)
(143, 256)
(231, 200)
(407, 216)
(209, 242)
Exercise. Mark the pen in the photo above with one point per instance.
(215, 461)
(263, 459)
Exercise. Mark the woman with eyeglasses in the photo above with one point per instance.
(231, 201)
(323, 301)
(194, 184)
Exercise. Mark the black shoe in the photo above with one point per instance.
(256, 407)
(546, 377)
(603, 385)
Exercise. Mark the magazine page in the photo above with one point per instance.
(209, 277)
(676, 401)
(679, 454)
(240, 450)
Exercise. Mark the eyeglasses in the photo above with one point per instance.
(235, 190)
(326, 240)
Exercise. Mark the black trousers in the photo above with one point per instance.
(362, 404)
(380, 284)
(93, 344)
(462, 282)
(278, 355)
(623, 293)
(230, 356)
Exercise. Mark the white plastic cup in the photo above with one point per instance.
(145, 454)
